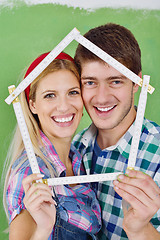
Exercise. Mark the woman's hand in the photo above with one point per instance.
(39, 203)
(142, 193)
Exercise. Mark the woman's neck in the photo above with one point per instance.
(62, 147)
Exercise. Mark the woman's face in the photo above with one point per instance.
(58, 104)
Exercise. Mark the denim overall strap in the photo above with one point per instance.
(55, 196)
(66, 231)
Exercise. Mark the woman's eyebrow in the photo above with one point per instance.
(48, 91)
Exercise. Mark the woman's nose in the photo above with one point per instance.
(63, 104)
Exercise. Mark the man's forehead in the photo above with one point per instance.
(91, 68)
(93, 61)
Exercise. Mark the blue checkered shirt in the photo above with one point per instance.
(115, 159)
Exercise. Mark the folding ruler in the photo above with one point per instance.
(13, 97)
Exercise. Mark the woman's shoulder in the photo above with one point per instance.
(22, 166)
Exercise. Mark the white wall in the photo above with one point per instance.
(91, 4)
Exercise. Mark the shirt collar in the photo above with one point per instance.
(89, 135)
(123, 145)
(50, 152)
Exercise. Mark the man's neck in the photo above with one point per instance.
(110, 137)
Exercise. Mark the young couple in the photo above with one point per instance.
(53, 107)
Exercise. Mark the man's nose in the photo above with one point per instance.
(103, 93)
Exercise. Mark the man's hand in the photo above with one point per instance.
(142, 193)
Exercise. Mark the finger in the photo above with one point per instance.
(142, 175)
(38, 188)
(142, 211)
(132, 200)
(135, 192)
(137, 198)
(145, 184)
(46, 206)
(37, 193)
(26, 182)
(38, 202)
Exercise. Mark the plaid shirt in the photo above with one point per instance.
(78, 205)
(115, 159)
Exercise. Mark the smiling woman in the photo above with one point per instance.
(58, 104)
(52, 107)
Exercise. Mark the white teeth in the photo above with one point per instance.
(62, 120)
(104, 109)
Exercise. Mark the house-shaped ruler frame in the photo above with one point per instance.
(12, 98)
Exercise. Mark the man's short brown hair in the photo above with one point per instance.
(115, 40)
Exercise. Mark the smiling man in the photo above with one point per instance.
(109, 100)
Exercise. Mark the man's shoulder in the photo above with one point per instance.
(152, 128)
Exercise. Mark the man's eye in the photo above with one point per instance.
(116, 82)
(88, 83)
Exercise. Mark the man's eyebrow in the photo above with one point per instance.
(116, 77)
(108, 78)
(88, 78)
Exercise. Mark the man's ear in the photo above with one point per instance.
(32, 106)
(140, 75)
(136, 86)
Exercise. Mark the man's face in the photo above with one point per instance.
(108, 95)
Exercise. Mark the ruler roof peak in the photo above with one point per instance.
(75, 35)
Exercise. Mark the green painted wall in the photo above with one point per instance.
(26, 32)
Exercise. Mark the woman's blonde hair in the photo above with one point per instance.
(17, 147)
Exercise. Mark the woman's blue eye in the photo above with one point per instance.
(49, 95)
(73, 92)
